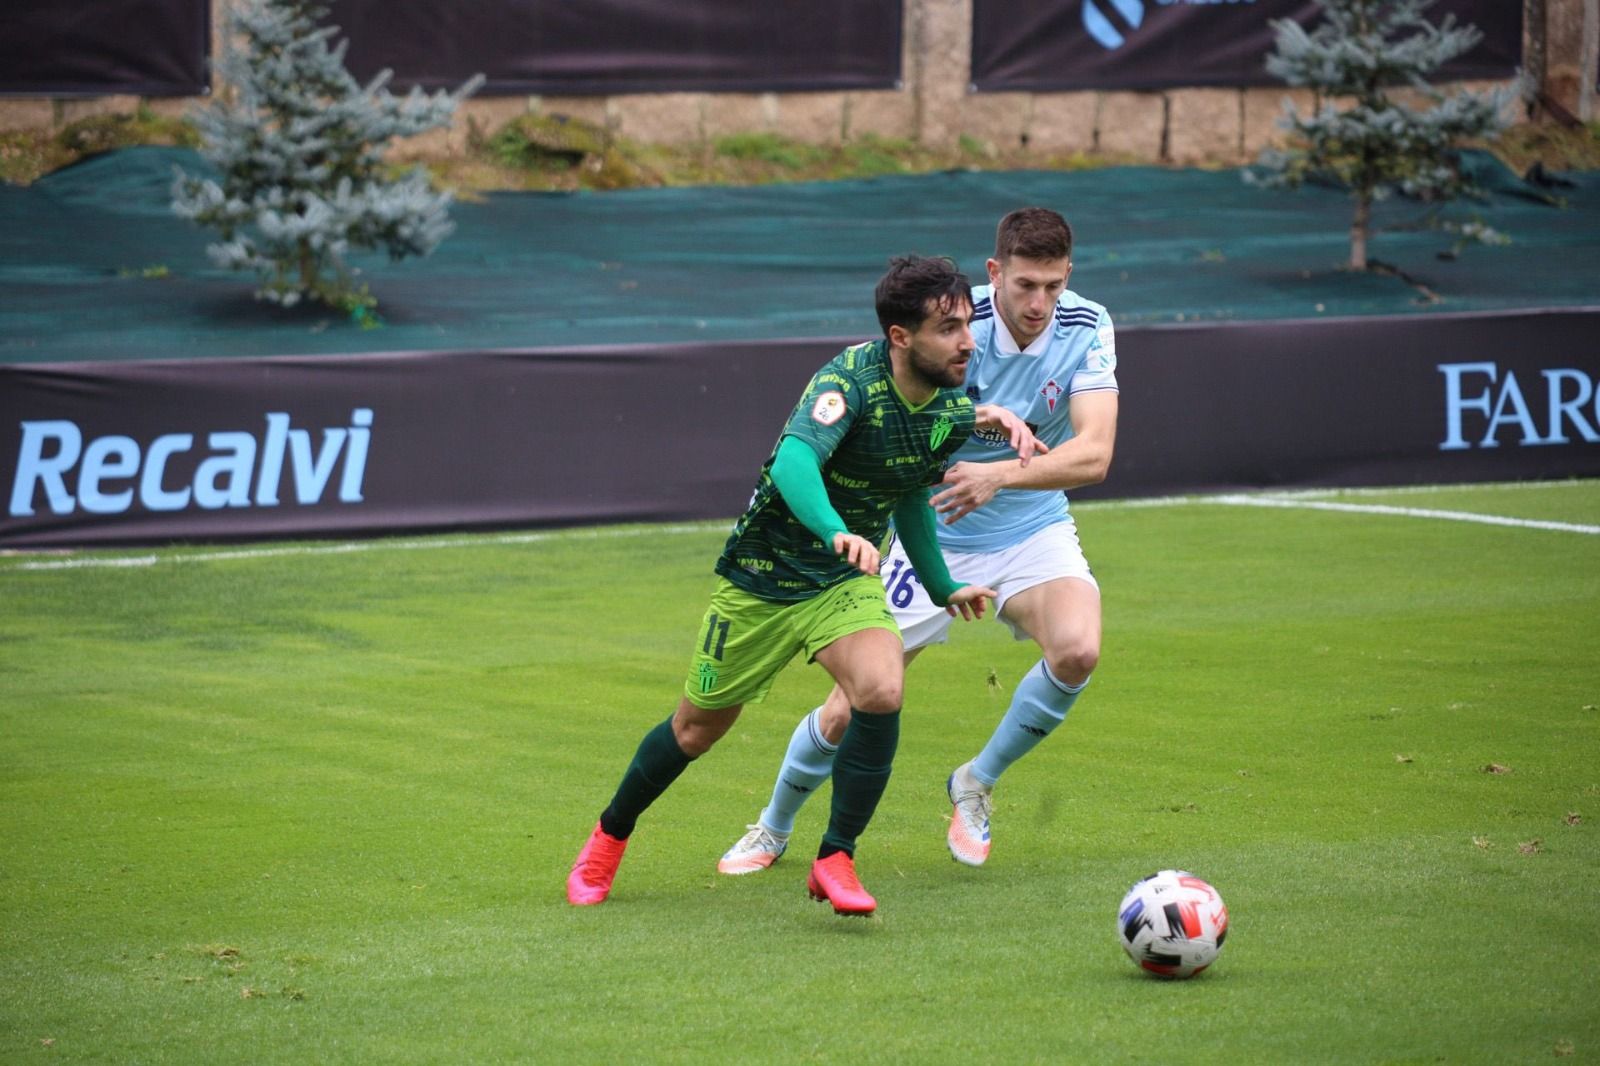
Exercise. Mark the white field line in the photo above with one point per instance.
(1414, 490)
(1301, 499)
(1405, 512)
(348, 547)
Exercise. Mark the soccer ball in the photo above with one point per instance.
(1172, 924)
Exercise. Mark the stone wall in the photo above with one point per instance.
(933, 106)
(1572, 43)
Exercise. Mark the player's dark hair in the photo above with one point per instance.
(918, 287)
(1033, 233)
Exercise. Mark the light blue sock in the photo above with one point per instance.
(1040, 703)
(807, 764)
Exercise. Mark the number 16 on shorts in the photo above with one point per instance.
(900, 584)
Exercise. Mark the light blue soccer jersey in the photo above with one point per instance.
(1077, 354)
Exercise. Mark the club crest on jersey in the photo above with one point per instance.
(706, 675)
(828, 408)
(941, 432)
(1051, 393)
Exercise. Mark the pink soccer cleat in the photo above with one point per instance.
(834, 880)
(596, 867)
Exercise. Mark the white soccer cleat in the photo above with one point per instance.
(968, 836)
(755, 851)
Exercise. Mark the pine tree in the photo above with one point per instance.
(298, 145)
(1363, 137)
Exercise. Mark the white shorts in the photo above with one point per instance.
(1051, 553)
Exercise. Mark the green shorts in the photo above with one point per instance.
(744, 641)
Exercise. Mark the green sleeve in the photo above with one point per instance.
(798, 476)
(918, 530)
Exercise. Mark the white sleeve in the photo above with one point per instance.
(1098, 371)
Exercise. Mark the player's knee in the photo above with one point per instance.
(879, 696)
(1074, 663)
(694, 741)
(697, 733)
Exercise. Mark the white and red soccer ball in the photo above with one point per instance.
(1172, 924)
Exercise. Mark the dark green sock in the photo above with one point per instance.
(656, 765)
(860, 774)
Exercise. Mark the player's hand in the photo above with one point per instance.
(969, 601)
(1023, 442)
(967, 487)
(859, 552)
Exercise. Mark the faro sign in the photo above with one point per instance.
(59, 470)
(1486, 406)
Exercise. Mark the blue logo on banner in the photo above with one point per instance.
(1102, 29)
(1562, 409)
(1106, 33)
(239, 468)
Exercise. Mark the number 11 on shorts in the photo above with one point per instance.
(718, 630)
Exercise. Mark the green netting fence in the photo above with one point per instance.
(95, 267)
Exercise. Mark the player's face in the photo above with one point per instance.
(1025, 292)
(942, 345)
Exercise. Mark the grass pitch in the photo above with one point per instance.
(317, 803)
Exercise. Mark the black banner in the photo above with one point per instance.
(623, 46)
(288, 446)
(121, 453)
(89, 47)
(1050, 45)
(1424, 399)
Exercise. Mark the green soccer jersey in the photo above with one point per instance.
(873, 446)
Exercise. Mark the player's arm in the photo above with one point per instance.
(797, 473)
(914, 524)
(1085, 459)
